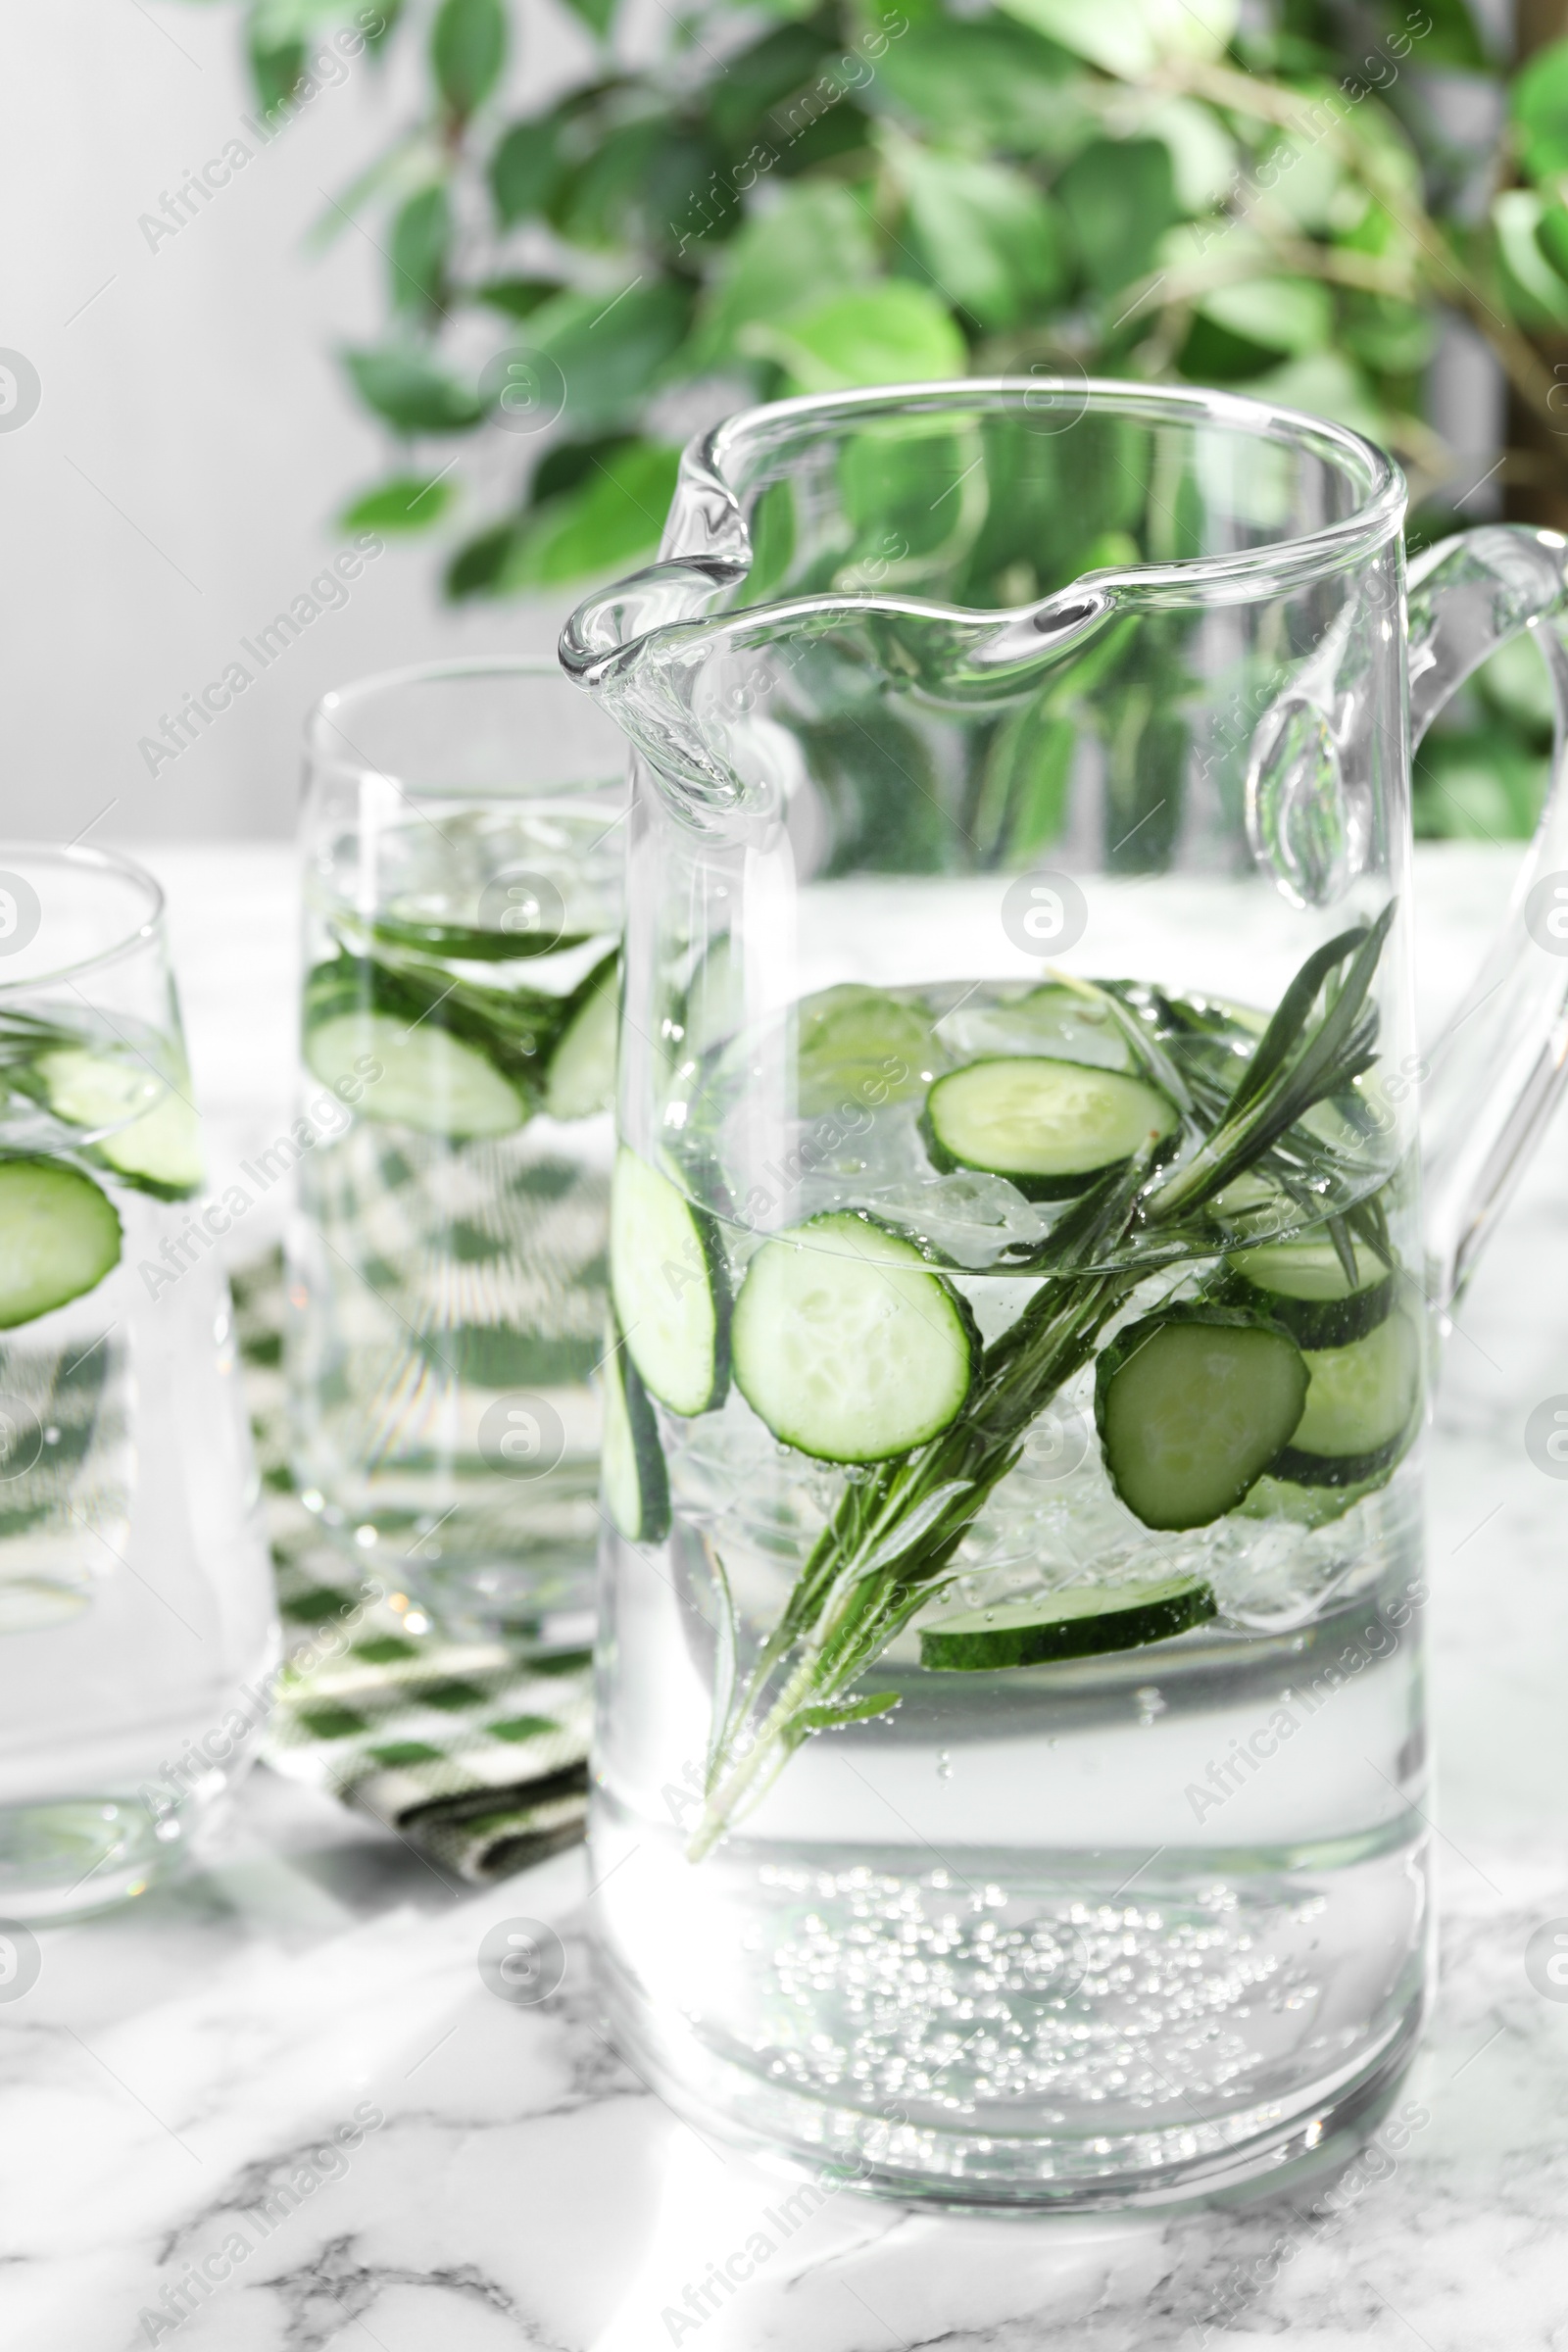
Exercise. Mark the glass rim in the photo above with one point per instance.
(717, 453)
(709, 550)
(359, 692)
(72, 855)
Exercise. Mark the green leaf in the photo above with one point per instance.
(473, 570)
(595, 504)
(516, 297)
(275, 21)
(467, 49)
(1516, 683)
(891, 333)
(1120, 197)
(882, 800)
(597, 14)
(816, 132)
(758, 78)
(1540, 110)
(1325, 384)
(1539, 295)
(987, 82)
(390, 14)
(399, 169)
(411, 393)
(422, 239)
(650, 182)
(573, 462)
(611, 518)
(409, 502)
(1025, 791)
(525, 170)
(1130, 38)
(1452, 37)
(1477, 787)
(817, 237)
(610, 347)
(277, 69)
(1390, 337)
(840, 1711)
(988, 238)
(1203, 157)
(1283, 313)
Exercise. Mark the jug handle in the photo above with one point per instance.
(1492, 1078)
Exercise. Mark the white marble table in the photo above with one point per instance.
(179, 2067)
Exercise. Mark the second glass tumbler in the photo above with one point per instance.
(463, 862)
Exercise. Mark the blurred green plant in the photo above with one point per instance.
(805, 194)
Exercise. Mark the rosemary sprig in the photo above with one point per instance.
(890, 1542)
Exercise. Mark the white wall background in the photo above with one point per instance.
(176, 486)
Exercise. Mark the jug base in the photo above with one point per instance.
(1251, 2153)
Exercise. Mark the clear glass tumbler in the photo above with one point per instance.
(137, 1630)
(462, 884)
(1012, 1781)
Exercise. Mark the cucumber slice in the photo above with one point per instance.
(861, 1045)
(1303, 1507)
(160, 1152)
(97, 1091)
(671, 1287)
(147, 1133)
(636, 1482)
(1193, 1404)
(580, 1078)
(1073, 1023)
(1078, 1621)
(1303, 1286)
(430, 1080)
(59, 1237)
(1362, 1408)
(846, 1345)
(1049, 1126)
(716, 997)
(474, 943)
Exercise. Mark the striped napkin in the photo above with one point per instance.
(473, 1752)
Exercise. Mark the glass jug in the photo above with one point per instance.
(1011, 1775)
